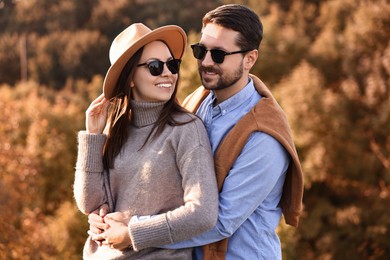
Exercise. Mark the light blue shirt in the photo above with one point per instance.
(248, 203)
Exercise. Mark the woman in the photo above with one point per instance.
(155, 159)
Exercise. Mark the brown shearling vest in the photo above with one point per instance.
(268, 117)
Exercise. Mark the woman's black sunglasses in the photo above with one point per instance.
(156, 67)
(218, 56)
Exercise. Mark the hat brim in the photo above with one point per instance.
(173, 36)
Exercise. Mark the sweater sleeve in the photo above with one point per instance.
(200, 209)
(88, 189)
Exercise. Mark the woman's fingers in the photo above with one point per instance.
(96, 115)
(98, 99)
(98, 105)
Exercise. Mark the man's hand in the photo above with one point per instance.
(97, 224)
(117, 236)
(123, 217)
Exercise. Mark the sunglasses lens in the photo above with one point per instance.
(198, 51)
(173, 66)
(156, 67)
(218, 56)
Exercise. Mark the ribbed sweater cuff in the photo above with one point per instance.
(90, 150)
(150, 233)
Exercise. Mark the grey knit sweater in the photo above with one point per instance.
(171, 178)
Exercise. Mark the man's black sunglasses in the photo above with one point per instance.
(156, 67)
(218, 56)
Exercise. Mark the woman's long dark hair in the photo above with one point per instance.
(120, 113)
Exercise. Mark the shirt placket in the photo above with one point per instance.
(208, 120)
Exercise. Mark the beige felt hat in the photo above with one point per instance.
(131, 40)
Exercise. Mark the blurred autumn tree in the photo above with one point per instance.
(37, 154)
(57, 40)
(328, 63)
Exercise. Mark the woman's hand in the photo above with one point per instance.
(96, 115)
(96, 223)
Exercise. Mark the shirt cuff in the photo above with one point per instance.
(136, 218)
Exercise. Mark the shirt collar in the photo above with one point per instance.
(236, 100)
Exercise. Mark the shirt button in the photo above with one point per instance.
(223, 112)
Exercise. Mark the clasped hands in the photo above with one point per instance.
(109, 229)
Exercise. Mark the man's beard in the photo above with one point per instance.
(224, 81)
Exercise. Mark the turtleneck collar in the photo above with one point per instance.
(145, 113)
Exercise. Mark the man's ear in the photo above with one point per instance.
(250, 59)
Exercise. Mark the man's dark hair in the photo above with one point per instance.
(241, 19)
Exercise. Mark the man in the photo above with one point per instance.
(265, 177)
